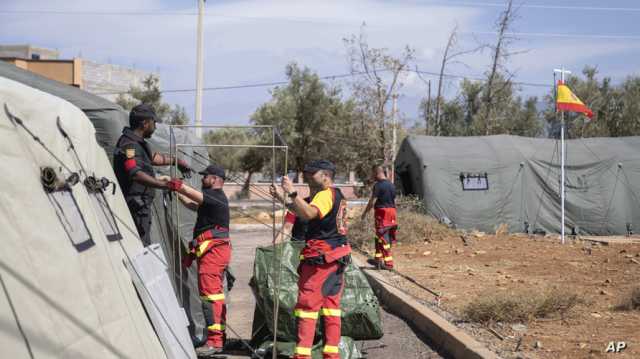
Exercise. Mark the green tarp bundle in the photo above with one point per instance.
(360, 308)
(347, 347)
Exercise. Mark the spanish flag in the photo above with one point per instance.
(567, 101)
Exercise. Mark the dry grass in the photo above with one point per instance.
(414, 225)
(632, 302)
(520, 307)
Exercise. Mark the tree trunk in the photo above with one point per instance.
(244, 192)
(497, 55)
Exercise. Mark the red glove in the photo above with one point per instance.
(184, 168)
(175, 184)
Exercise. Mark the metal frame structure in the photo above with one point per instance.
(174, 149)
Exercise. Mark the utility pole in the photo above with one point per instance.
(394, 122)
(199, 69)
(428, 116)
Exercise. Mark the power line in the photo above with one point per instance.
(324, 21)
(328, 77)
(547, 7)
(433, 2)
(562, 35)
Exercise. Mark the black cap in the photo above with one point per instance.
(213, 170)
(140, 113)
(315, 166)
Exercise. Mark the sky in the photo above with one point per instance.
(251, 41)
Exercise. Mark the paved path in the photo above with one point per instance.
(399, 340)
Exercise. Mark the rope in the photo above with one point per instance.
(513, 184)
(15, 120)
(277, 254)
(613, 193)
(546, 180)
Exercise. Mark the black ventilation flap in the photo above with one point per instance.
(474, 181)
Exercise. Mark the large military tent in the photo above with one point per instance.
(109, 119)
(482, 182)
(64, 289)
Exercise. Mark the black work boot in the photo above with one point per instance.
(207, 351)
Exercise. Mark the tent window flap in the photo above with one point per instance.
(71, 219)
(474, 181)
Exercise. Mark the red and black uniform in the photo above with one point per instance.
(212, 248)
(322, 263)
(299, 229)
(385, 220)
(131, 155)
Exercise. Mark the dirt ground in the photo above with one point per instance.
(600, 274)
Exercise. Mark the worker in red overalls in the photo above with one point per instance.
(212, 249)
(322, 260)
(383, 200)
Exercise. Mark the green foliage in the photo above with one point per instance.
(465, 115)
(150, 93)
(313, 119)
(616, 108)
(229, 158)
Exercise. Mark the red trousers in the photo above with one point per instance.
(319, 293)
(211, 267)
(386, 225)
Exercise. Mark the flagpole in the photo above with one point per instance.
(562, 71)
(562, 169)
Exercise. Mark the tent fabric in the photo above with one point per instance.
(108, 120)
(57, 301)
(107, 117)
(602, 182)
(361, 318)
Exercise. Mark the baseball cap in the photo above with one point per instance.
(213, 170)
(317, 165)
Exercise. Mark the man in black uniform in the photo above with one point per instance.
(133, 163)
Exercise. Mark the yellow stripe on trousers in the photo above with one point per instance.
(330, 349)
(303, 351)
(307, 315)
(330, 312)
(212, 297)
